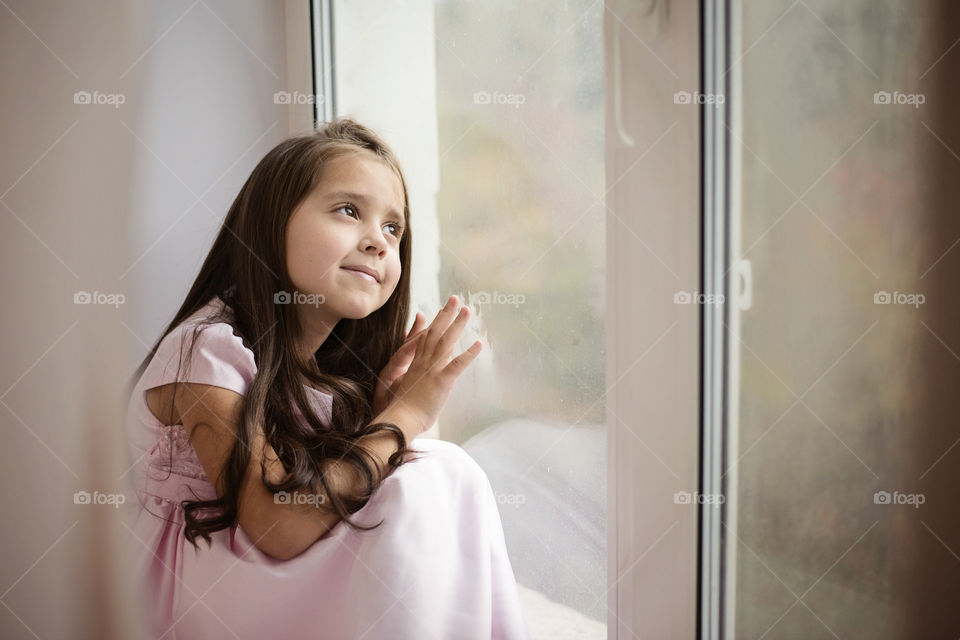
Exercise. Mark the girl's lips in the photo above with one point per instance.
(361, 274)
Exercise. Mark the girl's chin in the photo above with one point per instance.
(356, 311)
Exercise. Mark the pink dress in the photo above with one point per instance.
(436, 568)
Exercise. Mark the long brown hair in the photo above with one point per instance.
(246, 268)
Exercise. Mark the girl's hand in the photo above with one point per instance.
(397, 366)
(429, 372)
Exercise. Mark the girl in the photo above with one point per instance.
(271, 424)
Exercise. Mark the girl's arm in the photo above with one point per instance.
(284, 530)
(281, 530)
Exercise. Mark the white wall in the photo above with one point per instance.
(119, 200)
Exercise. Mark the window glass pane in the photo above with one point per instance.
(840, 188)
(521, 219)
(498, 111)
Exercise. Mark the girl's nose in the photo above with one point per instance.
(373, 240)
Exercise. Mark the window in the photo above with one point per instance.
(496, 110)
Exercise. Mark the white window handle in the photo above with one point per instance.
(744, 280)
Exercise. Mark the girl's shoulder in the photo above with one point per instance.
(203, 351)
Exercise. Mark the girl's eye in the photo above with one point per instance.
(346, 206)
(397, 229)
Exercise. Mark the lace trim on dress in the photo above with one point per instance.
(175, 454)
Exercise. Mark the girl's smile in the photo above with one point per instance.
(367, 273)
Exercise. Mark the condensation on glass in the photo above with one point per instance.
(843, 519)
(521, 216)
(496, 110)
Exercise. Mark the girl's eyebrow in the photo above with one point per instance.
(350, 195)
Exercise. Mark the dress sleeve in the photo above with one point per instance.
(219, 359)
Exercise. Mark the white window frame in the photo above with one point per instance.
(654, 399)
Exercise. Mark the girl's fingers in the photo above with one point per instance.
(405, 354)
(402, 358)
(416, 335)
(440, 324)
(410, 342)
(452, 333)
(418, 324)
(458, 364)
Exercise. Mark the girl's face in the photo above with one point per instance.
(352, 219)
